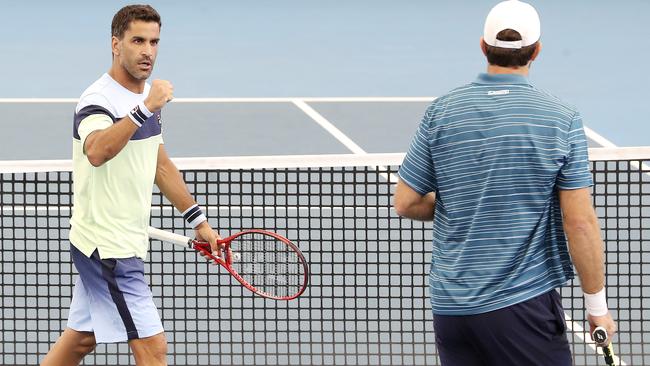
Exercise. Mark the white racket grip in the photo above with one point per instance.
(163, 235)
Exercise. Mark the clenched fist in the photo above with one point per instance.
(161, 92)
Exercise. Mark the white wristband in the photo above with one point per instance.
(596, 304)
(194, 216)
(139, 114)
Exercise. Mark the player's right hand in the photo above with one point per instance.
(604, 321)
(206, 233)
(161, 92)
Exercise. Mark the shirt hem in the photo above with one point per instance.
(489, 308)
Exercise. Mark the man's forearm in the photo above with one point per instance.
(103, 145)
(421, 210)
(408, 203)
(170, 182)
(586, 248)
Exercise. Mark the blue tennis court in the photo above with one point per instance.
(293, 49)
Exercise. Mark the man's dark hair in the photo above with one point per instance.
(508, 57)
(129, 13)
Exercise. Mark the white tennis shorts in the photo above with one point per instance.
(112, 299)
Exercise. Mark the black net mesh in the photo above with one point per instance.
(367, 303)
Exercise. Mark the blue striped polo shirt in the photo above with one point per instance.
(495, 152)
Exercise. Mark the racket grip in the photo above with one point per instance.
(162, 235)
(601, 337)
(609, 355)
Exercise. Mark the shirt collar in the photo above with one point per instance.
(485, 78)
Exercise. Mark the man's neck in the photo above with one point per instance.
(521, 70)
(125, 79)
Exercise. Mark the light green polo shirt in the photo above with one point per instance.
(112, 202)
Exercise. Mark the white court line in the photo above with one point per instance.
(338, 134)
(307, 99)
(242, 100)
(606, 144)
(31, 209)
(329, 127)
(37, 100)
(580, 332)
(299, 161)
(228, 162)
(599, 139)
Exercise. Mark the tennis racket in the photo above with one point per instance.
(600, 336)
(264, 262)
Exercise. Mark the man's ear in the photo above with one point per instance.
(538, 49)
(115, 46)
(483, 46)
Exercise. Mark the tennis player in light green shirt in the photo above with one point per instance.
(118, 154)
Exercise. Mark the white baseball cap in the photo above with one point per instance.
(515, 15)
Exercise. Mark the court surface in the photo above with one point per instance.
(195, 127)
(292, 48)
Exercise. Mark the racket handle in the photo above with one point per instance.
(609, 355)
(600, 336)
(162, 235)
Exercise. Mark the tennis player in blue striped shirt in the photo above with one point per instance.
(506, 167)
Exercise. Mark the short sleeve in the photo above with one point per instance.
(93, 123)
(575, 173)
(91, 118)
(417, 169)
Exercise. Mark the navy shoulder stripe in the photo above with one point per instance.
(85, 112)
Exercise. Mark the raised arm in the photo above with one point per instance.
(103, 145)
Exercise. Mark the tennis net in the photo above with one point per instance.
(367, 303)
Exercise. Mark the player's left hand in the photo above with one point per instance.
(604, 321)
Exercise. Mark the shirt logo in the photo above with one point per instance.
(159, 119)
(499, 92)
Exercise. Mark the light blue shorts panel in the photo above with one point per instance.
(112, 299)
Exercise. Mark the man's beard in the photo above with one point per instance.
(138, 74)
